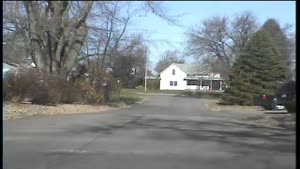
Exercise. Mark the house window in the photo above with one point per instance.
(171, 83)
(206, 83)
(175, 83)
(193, 82)
(173, 71)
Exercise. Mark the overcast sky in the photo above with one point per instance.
(164, 36)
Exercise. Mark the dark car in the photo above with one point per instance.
(286, 96)
(268, 102)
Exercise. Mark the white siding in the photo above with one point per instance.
(166, 76)
(195, 87)
(192, 87)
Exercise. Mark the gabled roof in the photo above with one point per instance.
(190, 69)
(193, 69)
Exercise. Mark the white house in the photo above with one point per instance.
(189, 77)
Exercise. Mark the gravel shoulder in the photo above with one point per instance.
(18, 110)
(255, 114)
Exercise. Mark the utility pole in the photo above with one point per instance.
(146, 76)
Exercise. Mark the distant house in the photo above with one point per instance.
(9, 67)
(190, 77)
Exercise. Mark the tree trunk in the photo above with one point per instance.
(55, 40)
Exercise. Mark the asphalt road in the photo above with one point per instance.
(164, 132)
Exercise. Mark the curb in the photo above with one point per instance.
(159, 94)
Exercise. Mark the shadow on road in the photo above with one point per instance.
(231, 133)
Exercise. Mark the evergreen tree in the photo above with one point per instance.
(259, 70)
(262, 66)
(280, 42)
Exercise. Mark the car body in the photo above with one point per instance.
(269, 102)
(286, 95)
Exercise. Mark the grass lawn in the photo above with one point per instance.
(204, 94)
(198, 94)
(131, 96)
(141, 89)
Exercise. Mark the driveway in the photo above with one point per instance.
(163, 132)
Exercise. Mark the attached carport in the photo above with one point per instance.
(205, 82)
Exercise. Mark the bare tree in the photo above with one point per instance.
(16, 50)
(157, 9)
(111, 31)
(52, 34)
(129, 66)
(221, 40)
(168, 57)
(106, 34)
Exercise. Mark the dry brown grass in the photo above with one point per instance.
(276, 120)
(18, 110)
(213, 106)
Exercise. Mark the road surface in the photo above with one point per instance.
(165, 132)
